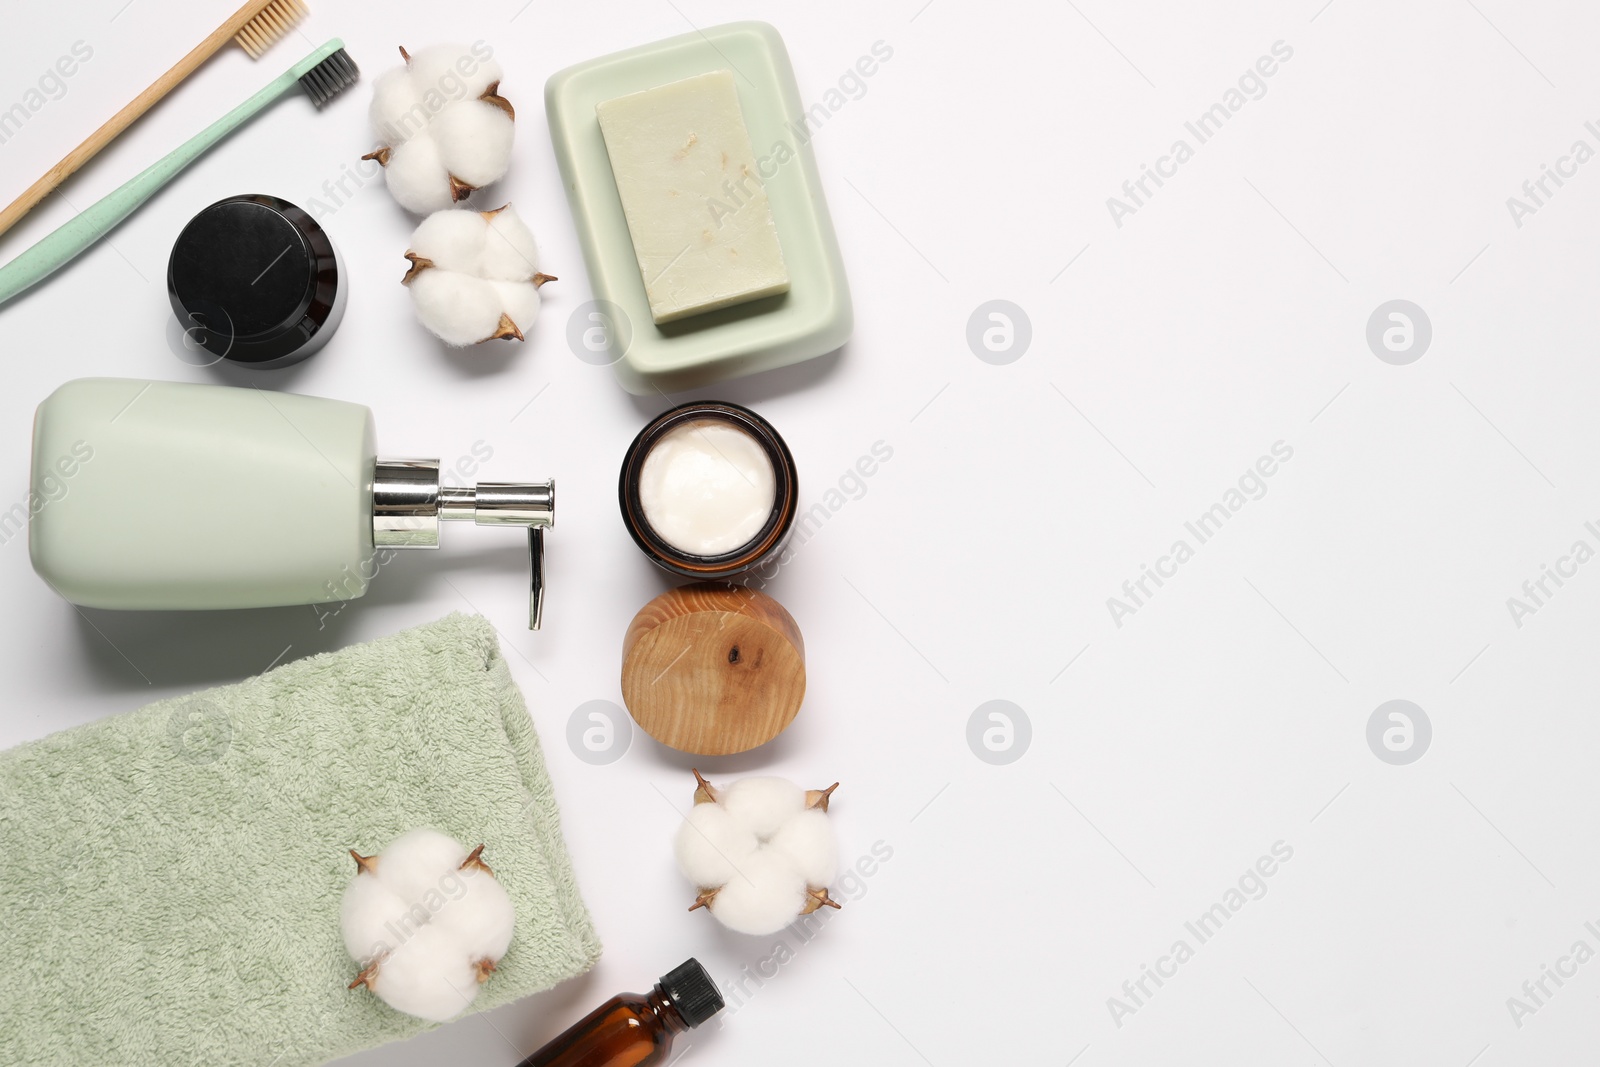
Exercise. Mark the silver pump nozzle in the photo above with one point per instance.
(408, 503)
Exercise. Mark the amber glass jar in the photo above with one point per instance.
(765, 544)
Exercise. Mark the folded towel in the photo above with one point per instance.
(170, 878)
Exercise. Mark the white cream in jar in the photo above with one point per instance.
(707, 487)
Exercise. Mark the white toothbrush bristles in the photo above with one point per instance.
(271, 23)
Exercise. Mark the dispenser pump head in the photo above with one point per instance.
(408, 503)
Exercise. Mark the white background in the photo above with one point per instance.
(1227, 314)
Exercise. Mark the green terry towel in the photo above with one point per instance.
(170, 878)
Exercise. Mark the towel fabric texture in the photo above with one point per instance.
(170, 878)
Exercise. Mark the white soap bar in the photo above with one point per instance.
(707, 487)
(701, 225)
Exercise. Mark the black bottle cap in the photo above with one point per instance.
(254, 280)
(692, 992)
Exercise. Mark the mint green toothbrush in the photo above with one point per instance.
(322, 74)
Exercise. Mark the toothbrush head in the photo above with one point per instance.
(331, 76)
(269, 24)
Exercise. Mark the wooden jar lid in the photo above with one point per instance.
(713, 669)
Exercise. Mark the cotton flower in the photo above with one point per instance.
(761, 852)
(444, 127)
(427, 976)
(427, 921)
(764, 896)
(475, 275)
(807, 841)
(763, 804)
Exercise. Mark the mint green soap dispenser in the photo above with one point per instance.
(166, 495)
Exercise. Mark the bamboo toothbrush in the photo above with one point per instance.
(255, 26)
(322, 75)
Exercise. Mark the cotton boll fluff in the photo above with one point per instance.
(482, 923)
(761, 852)
(444, 128)
(475, 275)
(763, 896)
(411, 863)
(808, 842)
(763, 804)
(712, 844)
(427, 921)
(365, 913)
(428, 976)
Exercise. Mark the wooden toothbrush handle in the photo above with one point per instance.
(131, 111)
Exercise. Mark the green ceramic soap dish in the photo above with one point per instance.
(813, 318)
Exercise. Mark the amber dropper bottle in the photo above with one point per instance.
(633, 1029)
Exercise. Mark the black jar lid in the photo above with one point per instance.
(254, 280)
